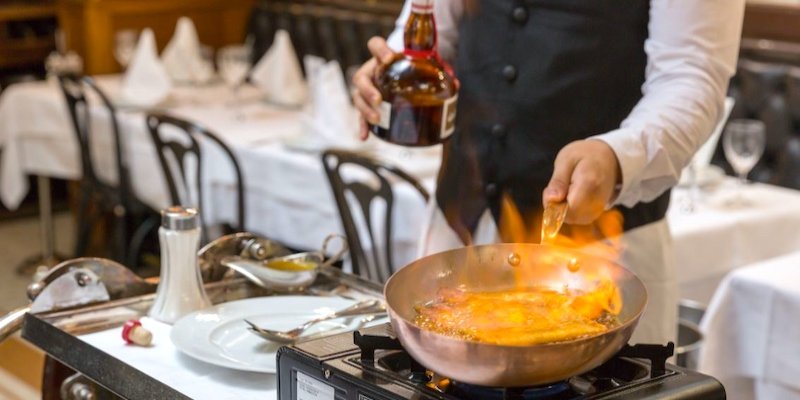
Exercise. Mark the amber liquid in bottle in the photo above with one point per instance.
(418, 89)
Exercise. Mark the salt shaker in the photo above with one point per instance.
(180, 289)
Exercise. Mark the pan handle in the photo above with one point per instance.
(11, 322)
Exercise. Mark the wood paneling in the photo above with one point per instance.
(775, 22)
(89, 25)
(30, 48)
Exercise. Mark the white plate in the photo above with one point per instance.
(219, 335)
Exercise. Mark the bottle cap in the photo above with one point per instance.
(179, 218)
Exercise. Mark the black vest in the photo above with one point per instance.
(536, 75)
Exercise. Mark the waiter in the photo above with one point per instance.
(597, 102)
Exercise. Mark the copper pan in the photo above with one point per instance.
(488, 268)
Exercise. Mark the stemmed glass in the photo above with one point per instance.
(124, 46)
(233, 63)
(744, 141)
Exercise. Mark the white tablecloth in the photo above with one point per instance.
(717, 238)
(195, 379)
(288, 195)
(752, 331)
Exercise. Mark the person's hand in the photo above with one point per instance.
(585, 175)
(366, 96)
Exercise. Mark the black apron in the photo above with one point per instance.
(536, 75)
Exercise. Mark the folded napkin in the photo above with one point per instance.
(334, 120)
(146, 82)
(182, 56)
(278, 73)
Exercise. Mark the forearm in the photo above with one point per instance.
(692, 51)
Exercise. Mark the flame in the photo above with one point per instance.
(600, 239)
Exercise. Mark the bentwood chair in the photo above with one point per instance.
(357, 197)
(180, 145)
(99, 198)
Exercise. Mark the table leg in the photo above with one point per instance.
(47, 257)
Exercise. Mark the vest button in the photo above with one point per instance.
(520, 14)
(499, 131)
(510, 73)
(491, 189)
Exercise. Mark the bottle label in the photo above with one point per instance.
(422, 6)
(385, 113)
(449, 117)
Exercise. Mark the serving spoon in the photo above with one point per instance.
(287, 337)
(552, 219)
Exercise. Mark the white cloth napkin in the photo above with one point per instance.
(182, 56)
(146, 82)
(334, 120)
(278, 73)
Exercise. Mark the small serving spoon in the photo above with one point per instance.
(287, 337)
(553, 218)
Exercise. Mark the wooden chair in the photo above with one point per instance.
(375, 264)
(174, 155)
(98, 198)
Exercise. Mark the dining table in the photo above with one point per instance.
(288, 197)
(751, 331)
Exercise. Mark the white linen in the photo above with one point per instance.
(278, 73)
(193, 378)
(182, 56)
(146, 82)
(692, 51)
(334, 120)
(751, 330)
(716, 239)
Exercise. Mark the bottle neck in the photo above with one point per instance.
(420, 30)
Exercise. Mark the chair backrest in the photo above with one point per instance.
(73, 87)
(179, 153)
(372, 260)
(331, 29)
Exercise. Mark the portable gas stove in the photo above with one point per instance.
(370, 364)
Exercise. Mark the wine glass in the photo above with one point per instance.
(124, 46)
(233, 64)
(743, 142)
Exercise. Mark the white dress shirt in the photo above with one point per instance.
(692, 50)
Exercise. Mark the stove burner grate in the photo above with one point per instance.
(556, 391)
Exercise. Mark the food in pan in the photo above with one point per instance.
(521, 317)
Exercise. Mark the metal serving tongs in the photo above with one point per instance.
(552, 219)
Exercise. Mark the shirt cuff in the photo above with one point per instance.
(627, 146)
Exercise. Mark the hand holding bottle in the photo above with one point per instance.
(408, 98)
(366, 96)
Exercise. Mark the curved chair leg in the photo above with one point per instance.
(137, 239)
(119, 230)
(84, 223)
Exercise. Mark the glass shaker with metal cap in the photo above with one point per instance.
(180, 290)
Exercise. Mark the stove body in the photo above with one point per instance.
(370, 365)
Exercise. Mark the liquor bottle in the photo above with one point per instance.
(418, 88)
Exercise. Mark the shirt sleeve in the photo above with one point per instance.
(692, 50)
(447, 14)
